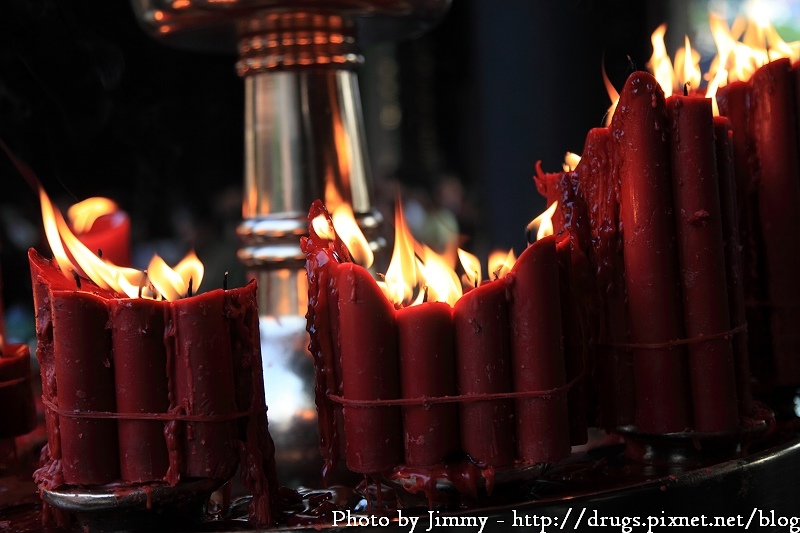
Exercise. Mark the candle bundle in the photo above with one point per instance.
(764, 113)
(429, 390)
(659, 180)
(144, 390)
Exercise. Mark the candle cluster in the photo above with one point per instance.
(764, 112)
(141, 390)
(434, 387)
(649, 207)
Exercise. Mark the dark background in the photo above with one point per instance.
(98, 108)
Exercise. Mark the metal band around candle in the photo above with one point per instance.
(741, 328)
(166, 417)
(459, 398)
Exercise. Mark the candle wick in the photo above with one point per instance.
(225, 281)
(191, 280)
(142, 282)
(475, 283)
(99, 253)
(425, 295)
(686, 89)
(77, 279)
(631, 64)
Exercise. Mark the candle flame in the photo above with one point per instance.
(82, 215)
(500, 263)
(348, 230)
(613, 95)
(660, 64)
(472, 268)
(171, 284)
(543, 224)
(570, 162)
(401, 276)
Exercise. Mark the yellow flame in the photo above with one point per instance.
(441, 281)
(613, 95)
(472, 268)
(744, 47)
(500, 263)
(543, 224)
(570, 161)
(401, 276)
(348, 230)
(660, 64)
(82, 215)
(687, 63)
(123, 280)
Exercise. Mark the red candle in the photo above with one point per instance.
(698, 217)
(639, 133)
(776, 138)
(735, 103)
(368, 340)
(575, 337)
(84, 382)
(483, 356)
(18, 415)
(537, 355)
(613, 365)
(140, 376)
(427, 370)
(322, 264)
(110, 233)
(200, 356)
(733, 261)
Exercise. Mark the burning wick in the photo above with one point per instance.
(142, 282)
(99, 253)
(191, 280)
(686, 89)
(225, 281)
(77, 279)
(425, 295)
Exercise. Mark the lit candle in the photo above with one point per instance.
(701, 263)
(537, 354)
(640, 137)
(104, 228)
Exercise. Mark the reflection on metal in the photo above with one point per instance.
(304, 139)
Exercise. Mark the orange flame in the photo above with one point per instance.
(170, 283)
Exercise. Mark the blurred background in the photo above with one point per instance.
(456, 119)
